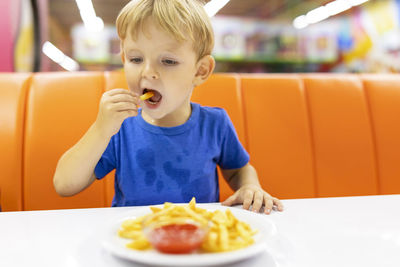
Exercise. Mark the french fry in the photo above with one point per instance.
(226, 232)
(130, 234)
(223, 237)
(155, 209)
(146, 96)
(139, 244)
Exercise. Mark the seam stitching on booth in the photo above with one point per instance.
(312, 143)
(27, 86)
(373, 134)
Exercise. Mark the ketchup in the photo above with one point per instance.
(177, 238)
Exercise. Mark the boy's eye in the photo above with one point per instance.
(170, 62)
(136, 60)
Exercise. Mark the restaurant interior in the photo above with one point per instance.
(250, 36)
(311, 89)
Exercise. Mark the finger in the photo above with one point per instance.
(232, 200)
(118, 91)
(247, 199)
(124, 106)
(123, 98)
(258, 201)
(268, 204)
(278, 203)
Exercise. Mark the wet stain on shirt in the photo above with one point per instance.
(160, 186)
(181, 176)
(150, 177)
(187, 191)
(145, 160)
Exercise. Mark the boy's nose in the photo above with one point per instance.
(150, 72)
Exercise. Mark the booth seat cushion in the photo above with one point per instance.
(60, 109)
(383, 93)
(308, 135)
(13, 90)
(279, 134)
(342, 139)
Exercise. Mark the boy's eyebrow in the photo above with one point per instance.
(131, 50)
(172, 47)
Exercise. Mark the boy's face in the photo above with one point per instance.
(156, 62)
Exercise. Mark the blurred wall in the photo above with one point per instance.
(8, 26)
(44, 32)
(10, 23)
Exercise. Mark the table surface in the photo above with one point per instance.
(347, 231)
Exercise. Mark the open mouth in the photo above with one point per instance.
(156, 98)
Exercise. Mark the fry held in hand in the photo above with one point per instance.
(225, 231)
(146, 96)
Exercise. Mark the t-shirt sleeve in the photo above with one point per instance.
(107, 161)
(233, 154)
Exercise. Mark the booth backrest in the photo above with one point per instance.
(60, 109)
(342, 136)
(278, 134)
(308, 135)
(383, 94)
(324, 135)
(13, 89)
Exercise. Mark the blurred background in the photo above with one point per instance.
(250, 36)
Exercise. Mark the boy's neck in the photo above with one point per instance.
(177, 118)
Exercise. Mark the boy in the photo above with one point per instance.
(167, 150)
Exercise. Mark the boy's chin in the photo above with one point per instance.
(153, 115)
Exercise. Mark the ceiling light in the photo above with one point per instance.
(316, 15)
(357, 2)
(324, 12)
(88, 15)
(337, 7)
(214, 6)
(300, 22)
(59, 57)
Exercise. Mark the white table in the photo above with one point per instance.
(348, 231)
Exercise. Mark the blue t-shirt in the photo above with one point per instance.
(158, 164)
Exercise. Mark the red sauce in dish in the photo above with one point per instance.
(177, 238)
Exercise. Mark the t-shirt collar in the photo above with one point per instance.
(171, 130)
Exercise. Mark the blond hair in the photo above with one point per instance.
(179, 18)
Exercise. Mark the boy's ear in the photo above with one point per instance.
(205, 67)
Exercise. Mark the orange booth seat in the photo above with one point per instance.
(308, 135)
(60, 108)
(13, 90)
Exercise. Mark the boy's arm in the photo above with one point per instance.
(75, 169)
(248, 190)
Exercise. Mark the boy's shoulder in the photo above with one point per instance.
(213, 112)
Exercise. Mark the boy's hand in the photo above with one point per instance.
(115, 106)
(253, 194)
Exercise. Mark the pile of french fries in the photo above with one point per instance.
(226, 232)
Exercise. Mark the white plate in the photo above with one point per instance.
(116, 245)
